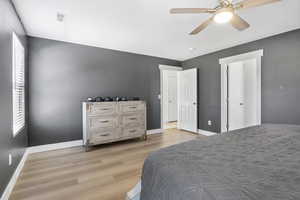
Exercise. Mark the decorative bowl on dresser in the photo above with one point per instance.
(105, 122)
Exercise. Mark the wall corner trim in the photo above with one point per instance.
(13, 180)
(206, 133)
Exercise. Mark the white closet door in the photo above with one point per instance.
(242, 93)
(187, 100)
(250, 93)
(236, 96)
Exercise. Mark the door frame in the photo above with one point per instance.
(224, 62)
(161, 96)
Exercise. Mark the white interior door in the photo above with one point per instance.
(242, 94)
(236, 96)
(172, 96)
(187, 100)
(251, 93)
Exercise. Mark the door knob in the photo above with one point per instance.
(241, 104)
(194, 103)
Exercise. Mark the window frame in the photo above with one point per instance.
(16, 43)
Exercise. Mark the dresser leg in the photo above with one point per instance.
(145, 136)
(87, 146)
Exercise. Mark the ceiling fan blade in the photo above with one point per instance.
(191, 10)
(253, 3)
(201, 26)
(238, 23)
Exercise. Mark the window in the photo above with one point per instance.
(18, 65)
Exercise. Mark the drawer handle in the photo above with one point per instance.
(105, 109)
(133, 118)
(133, 107)
(105, 135)
(105, 121)
(132, 131)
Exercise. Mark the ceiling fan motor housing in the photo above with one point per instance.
(226, 9)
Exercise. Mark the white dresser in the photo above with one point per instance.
(105, 122)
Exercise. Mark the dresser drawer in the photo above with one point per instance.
(129, 107)
(103, 122)
(105, 108)
(133, 119)
(99, 135)
(136, 131)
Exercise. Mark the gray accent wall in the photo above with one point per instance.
(9, 22)
(280, 80)
(62, 75)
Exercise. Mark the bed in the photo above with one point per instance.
(257, 163)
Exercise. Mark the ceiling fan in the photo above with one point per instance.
(223, 13)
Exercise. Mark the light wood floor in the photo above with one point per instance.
(171, 125)
(107, 172)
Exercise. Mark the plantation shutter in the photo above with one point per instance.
(18, 85)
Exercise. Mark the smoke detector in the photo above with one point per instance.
(60, 17)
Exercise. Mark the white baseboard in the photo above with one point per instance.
(206, 133)
(14, 178)
(63, 145)
(154, 131)
(55, 146)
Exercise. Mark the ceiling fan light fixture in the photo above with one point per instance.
(223, 17)
(225, 12)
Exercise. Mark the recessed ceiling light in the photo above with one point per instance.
(192, 49)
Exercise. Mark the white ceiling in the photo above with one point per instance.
(146, 27)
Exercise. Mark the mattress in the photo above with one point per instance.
(257, 163)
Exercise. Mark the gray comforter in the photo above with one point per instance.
(258, 163)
